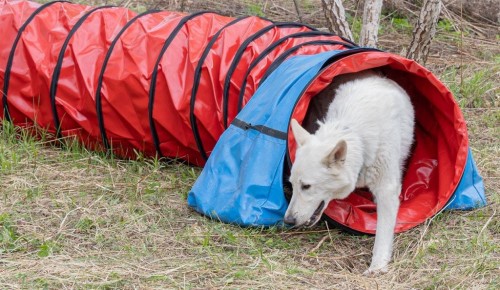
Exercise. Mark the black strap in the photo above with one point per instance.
(273, 47)
(154, 76)
(349, 41)
(10, 60)
(239, 54)
(261, 128)
(57, 69)
(98, 99)
(196, 83)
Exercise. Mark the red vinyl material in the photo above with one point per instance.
(439, 152)
(120, 80)
(168, 84)
(304, 45)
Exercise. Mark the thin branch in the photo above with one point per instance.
(297, 8)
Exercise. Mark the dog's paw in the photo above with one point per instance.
(375, 271)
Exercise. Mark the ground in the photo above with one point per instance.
(70, 218)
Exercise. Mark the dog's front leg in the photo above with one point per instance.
(387, 196)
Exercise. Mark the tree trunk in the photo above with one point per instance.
(335, 17)
(424, 31)
(371, 19)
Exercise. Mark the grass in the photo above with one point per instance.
(70, 218)
(477, 89)
(255, 9)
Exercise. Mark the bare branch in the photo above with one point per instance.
(371, 19)
(297, 8)
(424, 31)
(335, 17)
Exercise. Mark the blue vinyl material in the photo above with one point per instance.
(242, 181)
(470, 191)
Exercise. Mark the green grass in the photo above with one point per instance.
(70, 218)
(255, 9)
(476, 89)
(73, 217)
(355, 24)
(401, 25)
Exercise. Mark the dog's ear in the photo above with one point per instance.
(300, 134)
(336, 157)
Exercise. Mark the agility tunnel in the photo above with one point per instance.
(217, 92)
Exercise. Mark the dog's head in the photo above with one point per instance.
(318, 176)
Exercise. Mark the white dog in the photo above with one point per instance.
(362, 142)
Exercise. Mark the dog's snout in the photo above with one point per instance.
(289, 220)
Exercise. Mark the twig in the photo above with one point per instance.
(319, 244)
(297, 8)
(329, 232)
(64, 220)
(182, 7)
(277, 7)
(264, 6)
(487, 223)
(460, 49)
(426, 228)
(296, 277)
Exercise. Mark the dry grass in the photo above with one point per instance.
(75, 219)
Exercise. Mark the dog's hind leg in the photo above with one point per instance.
(387, 196)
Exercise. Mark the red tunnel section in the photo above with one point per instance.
(168, 84)
(156, 84)
(439, 151)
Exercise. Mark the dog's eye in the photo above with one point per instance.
(305, 186)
